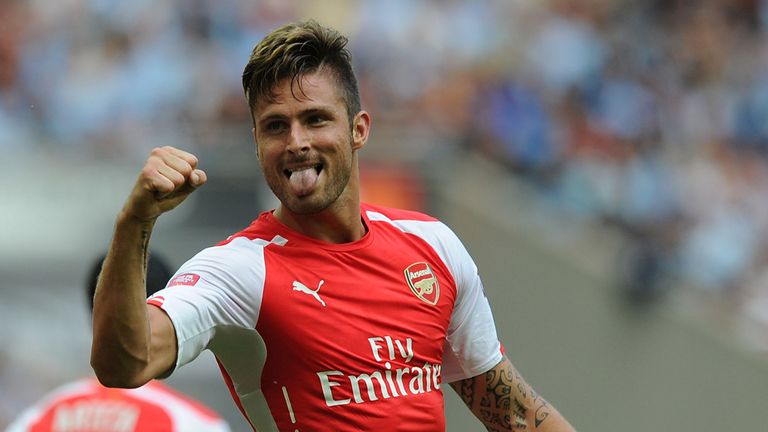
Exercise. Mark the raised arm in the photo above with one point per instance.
(134, 342)
(503, 401)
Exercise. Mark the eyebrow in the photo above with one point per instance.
(303, 113)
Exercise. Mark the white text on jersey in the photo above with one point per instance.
(384, 383)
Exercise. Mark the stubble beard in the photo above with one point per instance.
(336, 181)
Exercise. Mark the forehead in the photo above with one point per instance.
(316, 90)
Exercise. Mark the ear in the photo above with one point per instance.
(361, 127)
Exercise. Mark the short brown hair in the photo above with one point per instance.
(295, 50)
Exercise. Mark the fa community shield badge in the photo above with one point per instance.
(423, 282)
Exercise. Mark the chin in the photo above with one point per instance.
(305, 206)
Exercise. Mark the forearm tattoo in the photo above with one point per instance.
(541, 407)
(145, 234)
(502, 400)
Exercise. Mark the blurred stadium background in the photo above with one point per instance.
(603, 160)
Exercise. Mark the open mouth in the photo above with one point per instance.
(289, 172)
(303, 177)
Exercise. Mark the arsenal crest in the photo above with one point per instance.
(423, 282)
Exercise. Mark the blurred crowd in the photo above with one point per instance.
(650, 118)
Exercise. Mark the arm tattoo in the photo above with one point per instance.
(145, 234)
(498, 406)
(466, 390)
(542, 408)
(502, 400)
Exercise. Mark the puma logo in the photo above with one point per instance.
(298, 286)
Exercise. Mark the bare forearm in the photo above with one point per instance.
(503, 401)
(133, 342)
(121, 333)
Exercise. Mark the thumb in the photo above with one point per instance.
(198, 178)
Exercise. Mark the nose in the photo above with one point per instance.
(298, 140)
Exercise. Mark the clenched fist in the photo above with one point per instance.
(168, 177)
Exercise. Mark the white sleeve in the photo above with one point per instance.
(472, 346)
(220, 286)
(24, 421)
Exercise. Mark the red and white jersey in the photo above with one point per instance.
(346, 337)
(87, 406)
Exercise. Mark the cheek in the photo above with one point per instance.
(267, 152)
(266, 163)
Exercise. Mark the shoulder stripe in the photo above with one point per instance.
(397, 214)
(375, 216)
(277, 239)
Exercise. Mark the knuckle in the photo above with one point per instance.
(184, 168)
(177, 179)
(188, 168)
(147, 172)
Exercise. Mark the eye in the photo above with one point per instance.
(275, 126)
(316, 119)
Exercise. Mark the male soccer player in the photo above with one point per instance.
(85, 405)
(325, 313)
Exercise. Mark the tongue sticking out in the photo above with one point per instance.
(303, 181)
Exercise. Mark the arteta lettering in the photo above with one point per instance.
(97, 416)
(387, 382)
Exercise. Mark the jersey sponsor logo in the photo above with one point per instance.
(298, 286)
(423, 282)
(188, 279)
(340, 388)
(380, 384)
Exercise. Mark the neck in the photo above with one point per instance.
(340, 223)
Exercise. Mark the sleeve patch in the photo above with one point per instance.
(188, 279)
